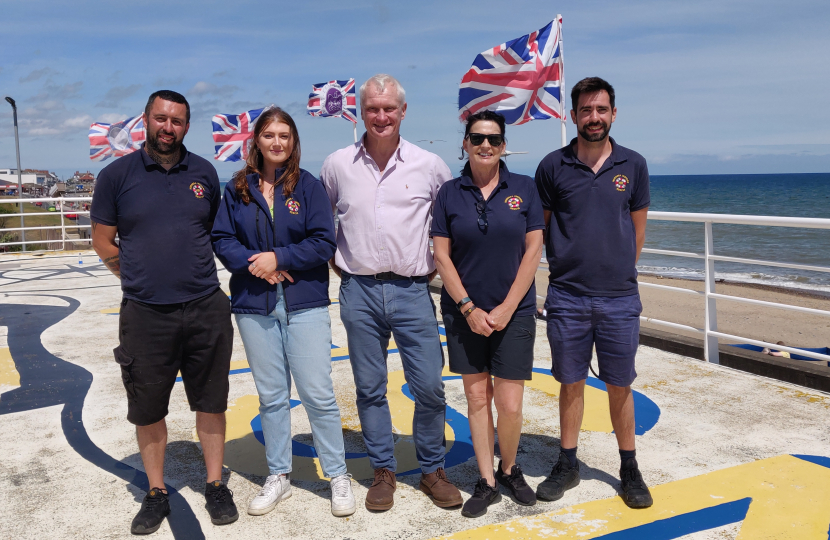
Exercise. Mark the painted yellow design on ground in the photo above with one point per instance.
(239, 364)
(111, 311)
(597, 415)
(8, 371)
(790, 500)
(244, 453)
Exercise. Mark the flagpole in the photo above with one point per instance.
(562, 84)
(355, 131)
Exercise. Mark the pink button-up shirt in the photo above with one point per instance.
(384, 217)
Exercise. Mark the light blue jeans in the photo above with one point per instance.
(283, 345)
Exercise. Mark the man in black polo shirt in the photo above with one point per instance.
(597, 193)
(161, 202)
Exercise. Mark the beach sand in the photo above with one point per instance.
(738, 318)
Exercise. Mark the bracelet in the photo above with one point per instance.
(470, 310)
(463, 301)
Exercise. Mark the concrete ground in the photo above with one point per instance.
(728, 454)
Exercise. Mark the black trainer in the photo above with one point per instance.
(515, 482)
(154, 508)
(483, 496)
(220, 504)
(562, 478)
(635, 492)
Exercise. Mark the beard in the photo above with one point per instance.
(163, 148)
(594, 137)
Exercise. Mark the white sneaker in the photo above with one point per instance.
(342, 498)
(277, 488)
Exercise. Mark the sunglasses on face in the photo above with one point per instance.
(477, 138)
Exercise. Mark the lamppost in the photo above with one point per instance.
(19, 181)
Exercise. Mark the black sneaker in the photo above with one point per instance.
(562, 478)
(154, 508)
(515, 482)
(483, 496)
(220, 504)
(635, 492)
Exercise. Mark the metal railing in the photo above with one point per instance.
(710, 332)
(60, 210)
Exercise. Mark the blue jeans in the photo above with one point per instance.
(371, 311)
(298, 344)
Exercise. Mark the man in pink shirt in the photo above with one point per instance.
(382, 189)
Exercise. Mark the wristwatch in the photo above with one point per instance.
(463, 301)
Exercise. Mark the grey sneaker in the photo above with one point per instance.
(277, 488)
(342, 497)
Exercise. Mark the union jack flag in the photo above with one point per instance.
(232, 134)
(333, 98)
(520, 79)
(118, 139)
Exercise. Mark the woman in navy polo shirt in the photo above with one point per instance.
(275, 233)
(487, 234)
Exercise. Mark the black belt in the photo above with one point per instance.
(386, 276)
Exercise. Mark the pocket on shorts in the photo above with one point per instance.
(126, 362)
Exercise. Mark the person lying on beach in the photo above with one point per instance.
(775, 352)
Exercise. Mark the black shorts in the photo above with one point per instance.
(159, 340)
(507, 354)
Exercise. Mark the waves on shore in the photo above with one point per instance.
(792, 281)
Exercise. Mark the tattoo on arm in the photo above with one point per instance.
(114, 264)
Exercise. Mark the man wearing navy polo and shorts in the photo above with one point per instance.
(161, 202)
(595, 196)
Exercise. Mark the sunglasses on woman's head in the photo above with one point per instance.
(477, 138)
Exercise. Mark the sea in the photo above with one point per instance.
(783, 195)
(792, 195)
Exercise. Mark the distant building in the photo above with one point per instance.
(34, 181)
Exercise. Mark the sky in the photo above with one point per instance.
(705, 87)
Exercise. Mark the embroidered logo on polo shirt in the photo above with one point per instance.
(198, 190)
(621, 181)
(514, 202)
(293, 206)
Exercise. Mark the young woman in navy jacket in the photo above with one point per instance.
(275, 233)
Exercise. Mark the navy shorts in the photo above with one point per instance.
(578, 323)
(506, 354)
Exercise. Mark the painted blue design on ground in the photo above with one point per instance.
(47, 380)
(646, 412)
(675, 527)
(462, 448)
(818, 460)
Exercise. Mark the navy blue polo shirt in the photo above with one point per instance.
(488, 259)
(591, 244)
(164, 220)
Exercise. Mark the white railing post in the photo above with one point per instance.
(710, 342)
(63, 226)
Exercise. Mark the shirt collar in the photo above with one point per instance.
(184, 159)
(618, 154)
(467, 175)
(400, 154)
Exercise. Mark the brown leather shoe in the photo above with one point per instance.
(380, 495)
(440, 490)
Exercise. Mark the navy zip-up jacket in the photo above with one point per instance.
(301, 234)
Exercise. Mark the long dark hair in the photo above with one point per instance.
(253, 164)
